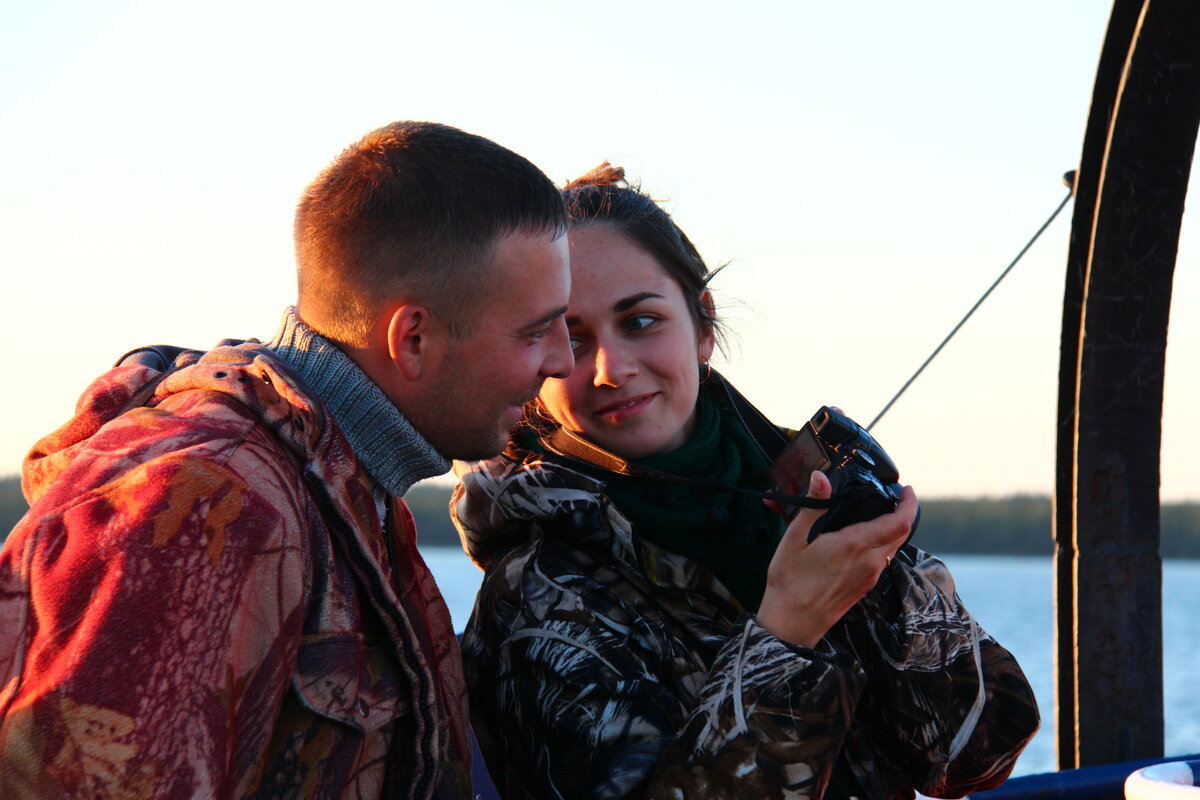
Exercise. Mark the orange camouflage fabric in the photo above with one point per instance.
(202, 603)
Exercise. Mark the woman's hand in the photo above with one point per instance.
(810, 586)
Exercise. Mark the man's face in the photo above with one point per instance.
(478, 384)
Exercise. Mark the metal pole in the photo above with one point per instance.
(1122, 25)
(1115, 575)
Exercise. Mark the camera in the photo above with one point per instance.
(864, 479)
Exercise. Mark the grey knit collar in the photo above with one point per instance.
(388, 446)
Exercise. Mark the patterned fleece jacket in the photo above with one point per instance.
(201, 603)
(602, 666)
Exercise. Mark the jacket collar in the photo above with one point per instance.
(392, 451)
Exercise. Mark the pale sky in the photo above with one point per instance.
(868, 168)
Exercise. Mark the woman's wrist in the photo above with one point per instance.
(790, 625)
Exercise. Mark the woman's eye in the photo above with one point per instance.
(575, 343)
(640, 322)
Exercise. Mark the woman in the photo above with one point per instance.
(638, 635)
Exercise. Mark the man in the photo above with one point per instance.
(216, 591)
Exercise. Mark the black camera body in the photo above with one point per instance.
(864, 479)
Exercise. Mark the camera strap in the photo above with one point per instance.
(572, 446)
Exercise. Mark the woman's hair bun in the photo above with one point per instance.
(604, 175)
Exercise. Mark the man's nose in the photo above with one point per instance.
(559, 360)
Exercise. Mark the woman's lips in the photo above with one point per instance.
(624, 409)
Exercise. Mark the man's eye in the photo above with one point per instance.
(575, 343)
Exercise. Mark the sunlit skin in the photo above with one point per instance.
(633, 392)
(637, 349)
(469, 392)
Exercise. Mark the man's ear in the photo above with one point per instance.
(408, 336)
(708, 336)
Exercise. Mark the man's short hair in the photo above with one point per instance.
(413, 208)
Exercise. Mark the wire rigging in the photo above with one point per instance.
(1069, 179)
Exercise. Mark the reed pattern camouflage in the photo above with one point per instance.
(602, 666)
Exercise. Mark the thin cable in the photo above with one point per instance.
(978, 303)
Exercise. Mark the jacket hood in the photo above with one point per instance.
(247, 374)
(232, 454)
(496, 499)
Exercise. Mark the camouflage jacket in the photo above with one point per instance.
(602, 666)
(201, 603)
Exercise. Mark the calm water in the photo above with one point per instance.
(1011, 597)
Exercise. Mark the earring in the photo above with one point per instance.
(705, 371)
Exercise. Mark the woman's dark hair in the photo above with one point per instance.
(604, 196)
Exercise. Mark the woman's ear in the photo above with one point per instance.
(408, 339)
(708, 335)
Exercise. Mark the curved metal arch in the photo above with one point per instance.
(1130, 192)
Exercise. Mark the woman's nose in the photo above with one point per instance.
(613, 366)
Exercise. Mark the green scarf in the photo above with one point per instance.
(732, 535)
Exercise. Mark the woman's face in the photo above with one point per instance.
(637, 349)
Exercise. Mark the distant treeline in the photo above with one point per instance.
(1017, 525)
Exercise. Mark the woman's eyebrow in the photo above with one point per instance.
(633, 300)
(621, 305)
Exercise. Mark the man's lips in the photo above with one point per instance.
(624, 408)
(518, 408)
(531, 396)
